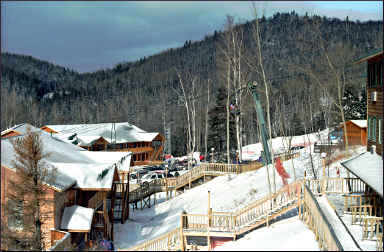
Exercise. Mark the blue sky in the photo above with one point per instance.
(88, 36)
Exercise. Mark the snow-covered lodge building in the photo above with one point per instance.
(368, 166)
(82, 195)
(145, 146)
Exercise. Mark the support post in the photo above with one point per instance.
(182, 245)
(209, 212)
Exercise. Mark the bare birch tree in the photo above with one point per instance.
(261, 71)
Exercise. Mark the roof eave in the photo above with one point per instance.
(365, 58)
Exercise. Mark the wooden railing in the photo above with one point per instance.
(98, 219)
(60, 240)
(168, 241)
(96, 200)
(371, 227)
(108, 228)
(336, 185)
(233, 223)
(160, 185)
(262, 211)
(312, 214)
(361, 212)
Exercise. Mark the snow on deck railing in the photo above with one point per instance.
(312, 214)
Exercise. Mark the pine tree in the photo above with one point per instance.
(217, 123)
(355, 107)
(26, 195)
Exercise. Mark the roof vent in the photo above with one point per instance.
(373, 149)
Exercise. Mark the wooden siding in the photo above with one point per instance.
(356, 135)
(375, 108)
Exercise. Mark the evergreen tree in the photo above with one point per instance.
(217, 123)
(355, 107)
(27, 199)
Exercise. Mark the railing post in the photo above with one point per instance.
(182, 245)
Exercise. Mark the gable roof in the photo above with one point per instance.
(75, 165)
(124, 132)
(21, 129)
(370, 55)
(360, 123)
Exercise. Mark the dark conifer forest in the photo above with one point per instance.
(148, 92)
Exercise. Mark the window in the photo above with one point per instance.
(369, 127)
(15, 218)
(380, 135)
(373, 133)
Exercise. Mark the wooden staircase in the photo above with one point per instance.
(227, 224)
(146, 190)
(263, 211)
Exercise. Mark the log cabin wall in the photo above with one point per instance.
(356, 135)
(375, 108)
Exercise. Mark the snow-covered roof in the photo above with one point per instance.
(87, 140)
(369, 168)
(125, 132)
(22, 129)
(75, 166)
(360, 123)
(77, 218)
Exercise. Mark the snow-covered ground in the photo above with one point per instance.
(285, 235)
(228, 193)
(280, 144)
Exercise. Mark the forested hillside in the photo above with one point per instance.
(153, 92)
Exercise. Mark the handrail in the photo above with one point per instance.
(198, 171)
(168, 241)
(254, 214)
(235, 223)
(317, 221)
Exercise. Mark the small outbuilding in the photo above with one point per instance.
(356, 131)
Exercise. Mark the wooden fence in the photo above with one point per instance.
(312, 214)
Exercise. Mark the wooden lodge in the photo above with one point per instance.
(86, 198)
(375, 104)
(146, 147)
